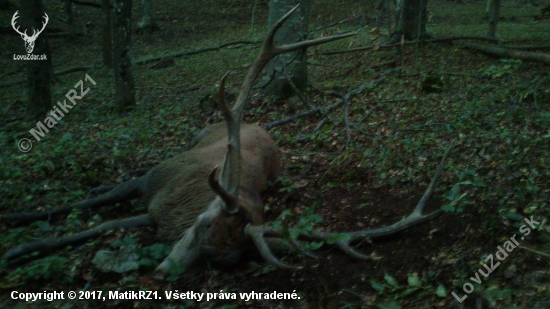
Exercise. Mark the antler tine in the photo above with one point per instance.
(415, 218)
(344, 246)
(257, 235)
(233, 116)
(16, 16)
(44, 23)
(270, 50)
(229, 199)
(433, 183)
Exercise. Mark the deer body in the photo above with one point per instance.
(177, 193)
(177, 190)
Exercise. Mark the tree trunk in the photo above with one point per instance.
(70, 20)
(294, 64)
(411, 20)
(494, 12)
(147, 24)
(385, 15)
(107, 33)
(124, 81)
(39, 72)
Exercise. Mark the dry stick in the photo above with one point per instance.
(514, 54)
(336, 23)
(50, 244)
(544, 254)
(58, 73)
(310, 112)
(293, 86)
(420, 126)
(345, 99)
(197, 51)
(86, 287)
(527, 47)
(410, 43)
(317, 128)
(87, 3)
(125, 191)
(366, 116)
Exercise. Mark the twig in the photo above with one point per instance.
(365, 132)
(252, 21)
(527, 47)
(197, 51)
(293, 86)
(448, 126)
(544, 254)
(86, 287)
(366, 116)
(317, 128)
(345, 100)
(310, 112)
(337, 23)
(511, 53)
(58, 73)
(410, 43)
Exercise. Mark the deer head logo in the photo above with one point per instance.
(29, 40)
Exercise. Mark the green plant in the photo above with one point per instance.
(497, 71)
(416, 286)
(46, 268)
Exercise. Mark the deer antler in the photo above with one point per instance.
(230, 176)
(257, 233)
(44, 23)
(16, 16)
(34, 33)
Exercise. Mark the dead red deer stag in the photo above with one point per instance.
(211, 216)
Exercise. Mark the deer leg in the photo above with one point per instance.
(125, 191)
(51, 244)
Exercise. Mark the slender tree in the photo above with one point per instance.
(107, 33)
(493, 14)
(147, 24)
(411, 20)
(39, 71)
(124, 81)
(70, 20)
(294, 64)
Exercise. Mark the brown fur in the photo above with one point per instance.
(177, 190)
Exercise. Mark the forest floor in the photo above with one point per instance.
(497, 111)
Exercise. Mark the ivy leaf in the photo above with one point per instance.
(377, 286)
(413, 280)
(391, 281)
(441, 291)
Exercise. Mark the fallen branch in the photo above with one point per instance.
(337, 23)
(197, 51)
(440, 40)
(345, 99)
(543, 254)
(58, 73)
(88, 3)
(528, 47)
(508, 53)
(310, 112)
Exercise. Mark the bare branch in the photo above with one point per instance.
(50, 244)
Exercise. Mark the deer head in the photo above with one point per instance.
(29, 40)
